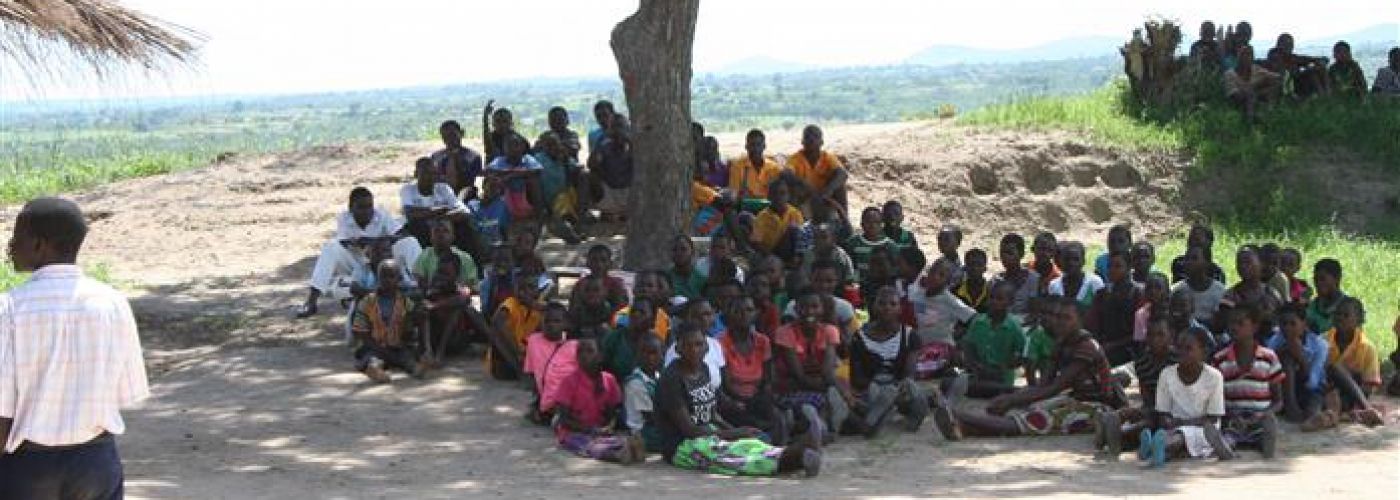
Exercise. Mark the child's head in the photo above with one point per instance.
(1290, 261)
(691, 345)
(516, 147)
(709, 148)
(682, 251)
(1179, 310)
(1011, 250)
(649, 353)
(700, 312)
(1157, 289)
(592, 291)
(1118, 267)
(1144, 255)
(389, 274)
(451, 133)
(1292, 321)
(739, 316)
(809, 307)
(641, 316)
(1268, 259)
(491, 189)
(892, 214)
(1341, 51)
(1120, 238)
(938, 275)
(870, 222)
(449, 268)
(378, 251)
(442, 234)
(778, 194)
(652, 285)
(1045, 246)
(587, 356)
(523, 241)
(527, 290)
(754, 144)
(721, 247)
(949, 239)
(1327, 277)
(501, 260)
(1201, 236)
(1350, 315)
(556, 320)
(881, 264)
(886, 308)
(553, 146)
(758, 290)
(825, 277)
(1159, 336)
(1061, 316)
(599, 260)
(502, 120)
(1197, 264)
(1191, 346)
(1244, 322)
(1070, 258)
(722, 270)
(1247, 264)
(823, 237)
(558, 118)
(1207, 30)
(361, 206)
(910, 262)
(812, 139)
(975, 264)
(425, 173)
(603, 111)
(727, 292)
(1000, 299)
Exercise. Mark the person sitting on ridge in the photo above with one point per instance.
(823, 177)
(457, 165)
(1306, 74)
(1206, 50)
(559, 129)
(752, 174)
(1248, 84)
(1387, 82)
(610, 168)
(1345, 75)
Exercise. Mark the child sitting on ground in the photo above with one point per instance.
(1303, 354)
(777, 228)
(515, 319)
(880, 273)
(748, 373)
(992, 348)
(1253, 376)
(1156, 299)
(1144, 255)
(973, 291)
(694, 437)
(882, 368)
(1130, 422)
(1353, 368)
(1290, 261)
(590, 310)
(600, 264)
(1327, 278)
(640, 394)
(1040, 346)
(1190, 401)
(686, 280)
(1112, 314)
(806, 383)
(619, 347)
(651, 285)
(549, 360)
(949, 240)
(589, 401)
(383, 325)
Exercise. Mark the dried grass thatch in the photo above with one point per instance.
(43, 35)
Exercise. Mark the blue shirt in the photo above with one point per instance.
(491, 219)
(1314, 347)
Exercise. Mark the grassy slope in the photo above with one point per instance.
(1219, 140)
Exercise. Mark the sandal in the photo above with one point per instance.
(306, 311)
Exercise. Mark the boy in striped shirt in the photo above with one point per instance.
(1253, 376)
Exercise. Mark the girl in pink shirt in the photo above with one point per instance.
(588, 404)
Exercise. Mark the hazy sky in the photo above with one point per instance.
(276, 46)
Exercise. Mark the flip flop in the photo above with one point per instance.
(306, 311)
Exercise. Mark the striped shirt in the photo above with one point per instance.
(1247, 390)
(70, 359)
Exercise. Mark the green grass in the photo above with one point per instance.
(1097, 114)
(9, 278)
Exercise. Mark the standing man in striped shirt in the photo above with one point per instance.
(70, 360)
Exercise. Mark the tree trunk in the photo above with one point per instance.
(653, 52)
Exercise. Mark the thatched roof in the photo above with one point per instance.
(42, 34)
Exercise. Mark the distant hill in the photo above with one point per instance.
(1068, 48)
(1378, 36)
(760, 65)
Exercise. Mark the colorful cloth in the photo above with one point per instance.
(1057, 415)
(521, 320)
(770, 226)
(426, 267)
(388, 326)
(744, 457)
(1360, 357)
(811, 352)
(589, 400)
(975, 300)
(607, 447)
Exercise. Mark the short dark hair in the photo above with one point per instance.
(599, 249)
(754, 133)
(1328, 266)
(1353, 302)
(1198, 334)
(555, 306)
(603, 104)
(358, 193)
(452, 124)
(914, 257)
(57, 221)
(558, 109)
(974, 253)
(1341, 44)
(1014, 241)
(825, 264)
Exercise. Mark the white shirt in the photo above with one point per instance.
(1204, 303)
(442, 197)
(1091, 285)
(714, 359)
(936, 316)
(1205, 397)
(70, 359)
(527, 162)
(380, 224)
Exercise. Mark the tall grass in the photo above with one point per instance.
(1097, 114)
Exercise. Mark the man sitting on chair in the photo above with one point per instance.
(357, 229)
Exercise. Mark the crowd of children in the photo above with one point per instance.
(795, 326)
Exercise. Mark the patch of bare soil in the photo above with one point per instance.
(250, 404)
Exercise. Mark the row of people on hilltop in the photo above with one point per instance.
(1283, 73)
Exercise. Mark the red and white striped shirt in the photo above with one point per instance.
(1247, 388)
(70, 359)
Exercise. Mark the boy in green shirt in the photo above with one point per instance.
(993, 346)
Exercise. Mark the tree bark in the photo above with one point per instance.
(653, 52)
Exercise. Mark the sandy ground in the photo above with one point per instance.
(249, 404)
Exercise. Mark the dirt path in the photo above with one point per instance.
(251, 405)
